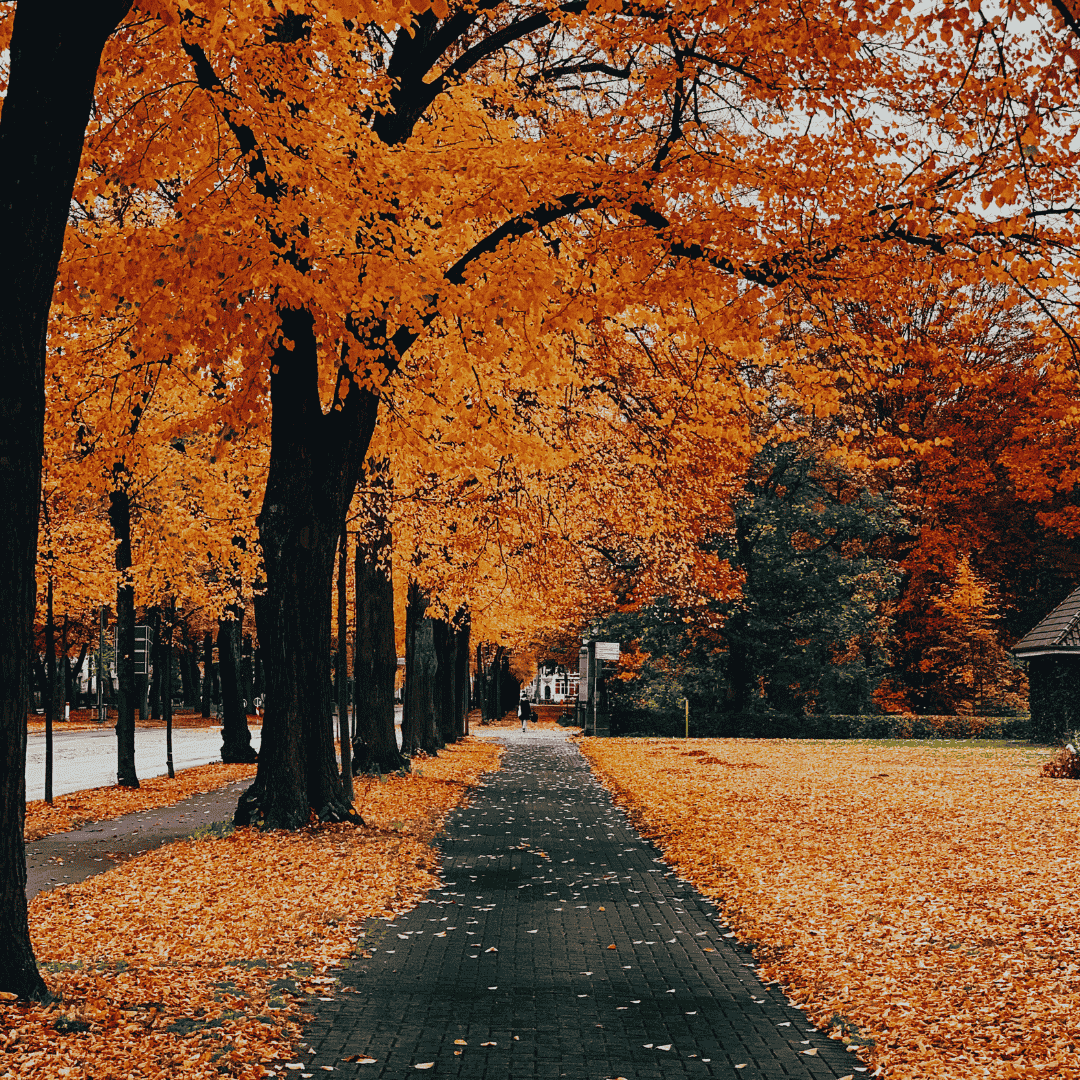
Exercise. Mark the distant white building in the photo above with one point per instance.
(553, 683)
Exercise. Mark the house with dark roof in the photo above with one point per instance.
(1052, 652)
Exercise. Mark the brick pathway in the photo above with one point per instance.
(508, 970)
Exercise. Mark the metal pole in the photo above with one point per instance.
(687, 701)
(101, 666)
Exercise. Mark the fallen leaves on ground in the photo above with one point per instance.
(921, 896)
(192, 961)
(102, 804)
(86, 720)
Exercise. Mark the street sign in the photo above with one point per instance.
(607, 650)
(144, 642)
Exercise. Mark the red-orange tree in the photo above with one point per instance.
(362, 191)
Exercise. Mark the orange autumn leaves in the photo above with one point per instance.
(192, 960)
(921, 896)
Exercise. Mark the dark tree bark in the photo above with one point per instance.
(120, 518)
(444, 639)
(480, 689)
(53, 59)
(509, 688)
(50, 688)
(315, 460)
(208, 674)
(236, 745)
(492, 688)
(418, 725)
(461, 674)
(375, 748)
(258, 674)
(189, 687)
(168, 619)
(247, 674)
(71, 676)
(344, 735)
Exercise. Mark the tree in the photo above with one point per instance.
(322, 304)
(809, 632)
(480, 192)
(970, 662)
(375, 656)
(41, 137)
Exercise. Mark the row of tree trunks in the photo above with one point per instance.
(436, 680)
(497, 691)
(375, 748)
(452, 675)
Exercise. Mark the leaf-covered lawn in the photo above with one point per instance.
(924, 896)
(191, 961)
(101, 804)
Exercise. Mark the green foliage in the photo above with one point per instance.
(809, 633)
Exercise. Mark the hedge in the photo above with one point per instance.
(672, 724)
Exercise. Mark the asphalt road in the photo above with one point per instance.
(87, 759)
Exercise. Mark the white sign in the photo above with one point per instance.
(607, 650)
(583, 674)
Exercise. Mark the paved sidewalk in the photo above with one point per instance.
(64, 858)
(508, 971)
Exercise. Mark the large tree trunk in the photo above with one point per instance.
(315, 459)
(375, 748)
(120, 518)
(53, 58)
(236, 745)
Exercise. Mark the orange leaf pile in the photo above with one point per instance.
(191, 961)
(918, 900)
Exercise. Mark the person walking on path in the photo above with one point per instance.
(559, 947)
(524, 711)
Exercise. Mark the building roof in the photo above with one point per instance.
(1059, 632)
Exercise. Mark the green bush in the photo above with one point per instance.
(672, 724)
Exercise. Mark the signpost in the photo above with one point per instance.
(592, 695)
(144, 642)
(607, 650)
